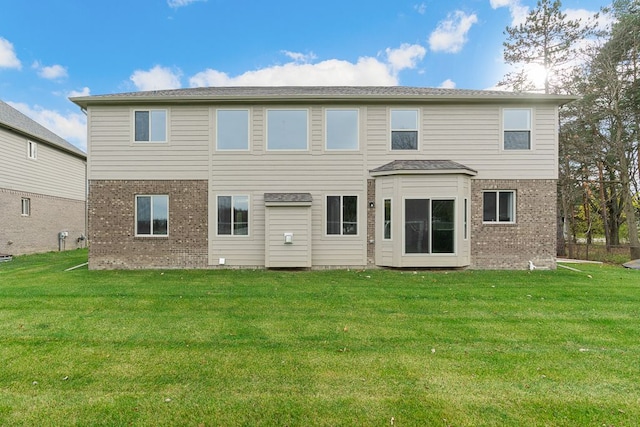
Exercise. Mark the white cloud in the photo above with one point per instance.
(156, 78)
(180, 3)
(451, 34)
(300, 57)
(72, 126)
(53, 72)
(332, 72)
(406, 56)
(84, 92)
(448, 84)
(8, 58)
(420, 8)
(603, 22)
(518, 11)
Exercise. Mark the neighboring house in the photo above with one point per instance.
(322, 177)
(42, 188)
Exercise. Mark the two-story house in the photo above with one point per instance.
(322, 177)
(43, 188)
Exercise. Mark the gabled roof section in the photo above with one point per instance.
(14, 120)
(317, 94)
(407, 167)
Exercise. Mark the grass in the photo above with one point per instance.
(348, 348)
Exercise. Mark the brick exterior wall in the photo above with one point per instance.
(371, 222)
(512, 246)
(112, 241)
(38, 232)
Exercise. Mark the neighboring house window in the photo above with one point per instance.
(32, 150)
(342, 215)
(232, 129)
(233, 215)
(342, 129)
(429, 226)
(404, 129)
(26, 207)
(152, 215)
(287, 130)
(517, 128)
(387, 219)
(150, 125)
(499, 206)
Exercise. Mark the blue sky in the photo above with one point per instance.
(53, 49)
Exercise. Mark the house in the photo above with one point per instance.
(322, 177)
(42, 188)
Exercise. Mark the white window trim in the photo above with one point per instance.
(358, 219)
(531, 127)
(417, 129)
(281, 150)
(249, 127)
(25, 202)
(326, 133)
(390, 238)
(32, 150)
(455, 229)
(515, 204)
(135, 225)
(133, 126)
(249, 208)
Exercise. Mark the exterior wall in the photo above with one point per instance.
(112, 239)
(511, 246)
(38, 232)
(52, 173)
(288, 219)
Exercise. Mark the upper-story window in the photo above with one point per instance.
(404, 129)
(342, 129)
(287, 130)
(516, 123)
(232, 129)
(150, 125)
(32, 150)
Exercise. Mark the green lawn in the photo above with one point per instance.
(331, 348)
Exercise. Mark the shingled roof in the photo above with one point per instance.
(13, 119)
(418, 166)
(318, 93)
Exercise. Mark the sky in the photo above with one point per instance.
(51, 50)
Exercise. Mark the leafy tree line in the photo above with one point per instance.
(599, 138)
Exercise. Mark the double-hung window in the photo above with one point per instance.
(150, 125)
(499, 206)
(233, 215)
(386, 235)
(26, 207)
(232, 129)
(342, 215)
(152, 215)
(32, 150)
(287, 130)
(404, 129)
(516, 123)
(342, 129)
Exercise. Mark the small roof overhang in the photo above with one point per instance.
(287, 199)
(423, 167)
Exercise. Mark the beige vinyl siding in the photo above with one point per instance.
(52, 173)
(288, 219)
(472, 135)
(114, 155)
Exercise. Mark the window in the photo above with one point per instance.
(429, 226)
(152, 215)
(32, 150)
(26, 207)
(150, 126)
(517, 128)
(466, 219)
(287, 130)
(232, 129)
(233, 215)
(499, 206)
(387, 219)
(404, 129)
(342, 215)
(342, 130)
